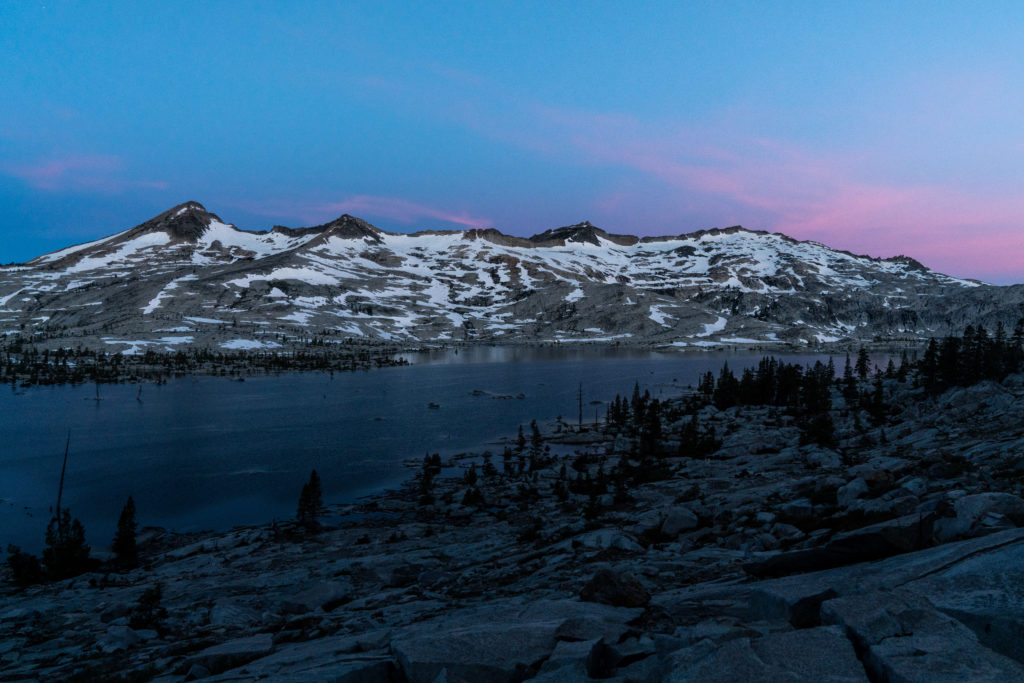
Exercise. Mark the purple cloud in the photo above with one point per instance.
(392, 208)
(92, 173)
(677, 176)
(775, 185)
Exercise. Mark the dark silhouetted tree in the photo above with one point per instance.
(25, 567)
(124, 540)
(66, 553)
(311, 501)
(863, 366)
(148, 612)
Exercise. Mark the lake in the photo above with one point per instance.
(211, 453)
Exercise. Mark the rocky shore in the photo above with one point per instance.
(894, 555)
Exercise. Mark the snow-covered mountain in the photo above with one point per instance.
(187, 277)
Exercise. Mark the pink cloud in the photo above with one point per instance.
(727, 170)
(770, 184)
(99, 173)
(393, 208)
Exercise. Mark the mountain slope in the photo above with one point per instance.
(186, 276)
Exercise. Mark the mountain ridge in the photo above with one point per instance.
(347, 225)
(347, 277)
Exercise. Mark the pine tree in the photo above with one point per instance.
(124, 540)
(863, 366)
(66, 553)
(311, 501)
(470, 476)
(901, 372)
(929, 375)
(536, 440)
(727, 392)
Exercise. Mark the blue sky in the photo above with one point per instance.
(882, 128)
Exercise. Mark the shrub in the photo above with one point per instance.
(25, 567)
(148, 613)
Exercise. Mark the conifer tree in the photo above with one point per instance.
(124, 546)
(470, 476)
(727, 391)
(311, 501)
(863, 366)
(536, 441)
(66, 553)
(901, 372)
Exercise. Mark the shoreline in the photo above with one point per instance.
(27, 368)
(524, 570)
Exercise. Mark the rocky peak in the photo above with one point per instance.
(350, 227)
(909, 263)
(185, 222)
(495, 236)
(584, 232)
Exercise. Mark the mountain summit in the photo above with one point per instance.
(185, 222)
(187, 277)
(582, 233)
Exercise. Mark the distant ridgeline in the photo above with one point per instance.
(186, 278)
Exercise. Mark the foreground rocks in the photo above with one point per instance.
(896, 556)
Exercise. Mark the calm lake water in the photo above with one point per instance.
(210, 453)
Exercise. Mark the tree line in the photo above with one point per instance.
(23, 363)
(972, 357)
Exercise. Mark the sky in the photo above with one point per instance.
(882, 128)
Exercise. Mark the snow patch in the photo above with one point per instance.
(658, 316)
(574, 296)
(5, 299)
(177, 340)
(249, 344)
(166, 292)
(711, 328)
(308, 275)
(127, 249)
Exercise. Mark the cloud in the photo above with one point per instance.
(392, 208)
(76, 173)
(839, 198)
